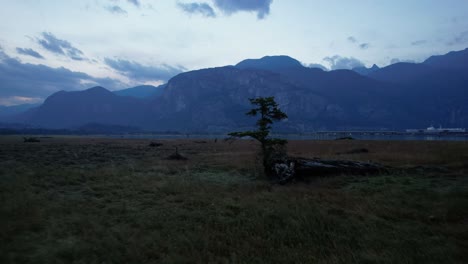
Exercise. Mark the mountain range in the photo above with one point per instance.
(401, 95)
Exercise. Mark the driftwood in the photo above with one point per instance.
(300, 168)
(31, 139)
(354, 151)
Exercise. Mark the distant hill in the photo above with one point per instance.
(142, 91)
(74, 109)
(15, 109)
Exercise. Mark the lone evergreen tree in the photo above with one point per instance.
(269, 112)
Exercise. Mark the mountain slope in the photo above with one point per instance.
(410, 72)
(455, 60)
(216, 100)
(142, 91)
(366, 71)
(433, 92)
(439, 98)
(401, 72)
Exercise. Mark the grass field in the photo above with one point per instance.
(85, 200)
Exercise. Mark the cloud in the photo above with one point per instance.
(116, 10)
(19, 100)
(39, 81)
(141, 72)
(461, 38)
(197, 8)
(29, 52)
(352, 39)
(337, 62)
(396, 60)
(364, 46)
(135, 2)
(418, 42)
(355, 41)
(59, 46)
(261, 7)
(317, 65)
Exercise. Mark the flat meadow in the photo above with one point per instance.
(102, 200)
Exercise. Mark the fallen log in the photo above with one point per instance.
(300, 168)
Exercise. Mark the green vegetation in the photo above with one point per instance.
(80, 200)
(272, 148)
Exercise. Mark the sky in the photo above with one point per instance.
(52, 45)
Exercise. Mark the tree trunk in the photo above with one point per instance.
(300, 168)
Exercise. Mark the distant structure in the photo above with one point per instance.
(433, 130)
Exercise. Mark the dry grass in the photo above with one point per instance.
(85, 200)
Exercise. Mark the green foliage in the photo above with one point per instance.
(272, 148)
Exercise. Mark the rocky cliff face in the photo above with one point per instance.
(217, 99)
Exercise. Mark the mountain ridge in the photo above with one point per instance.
(142, 91)
(215, 100)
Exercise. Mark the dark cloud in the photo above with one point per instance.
(29, 52)
(261, 7)
(355, 41)
(116, 10)
(59, 46)
(317, 65)
(337, 62)
(461, 38)
(419, 42)
(352, 39)
(19, 79)
(135, 2)
(141, 72)
(197, 8)
(364, 45)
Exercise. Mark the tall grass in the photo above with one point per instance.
(117, 201)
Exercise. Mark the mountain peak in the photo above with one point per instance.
(366, 71)
(97, 89)
(270, 63)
